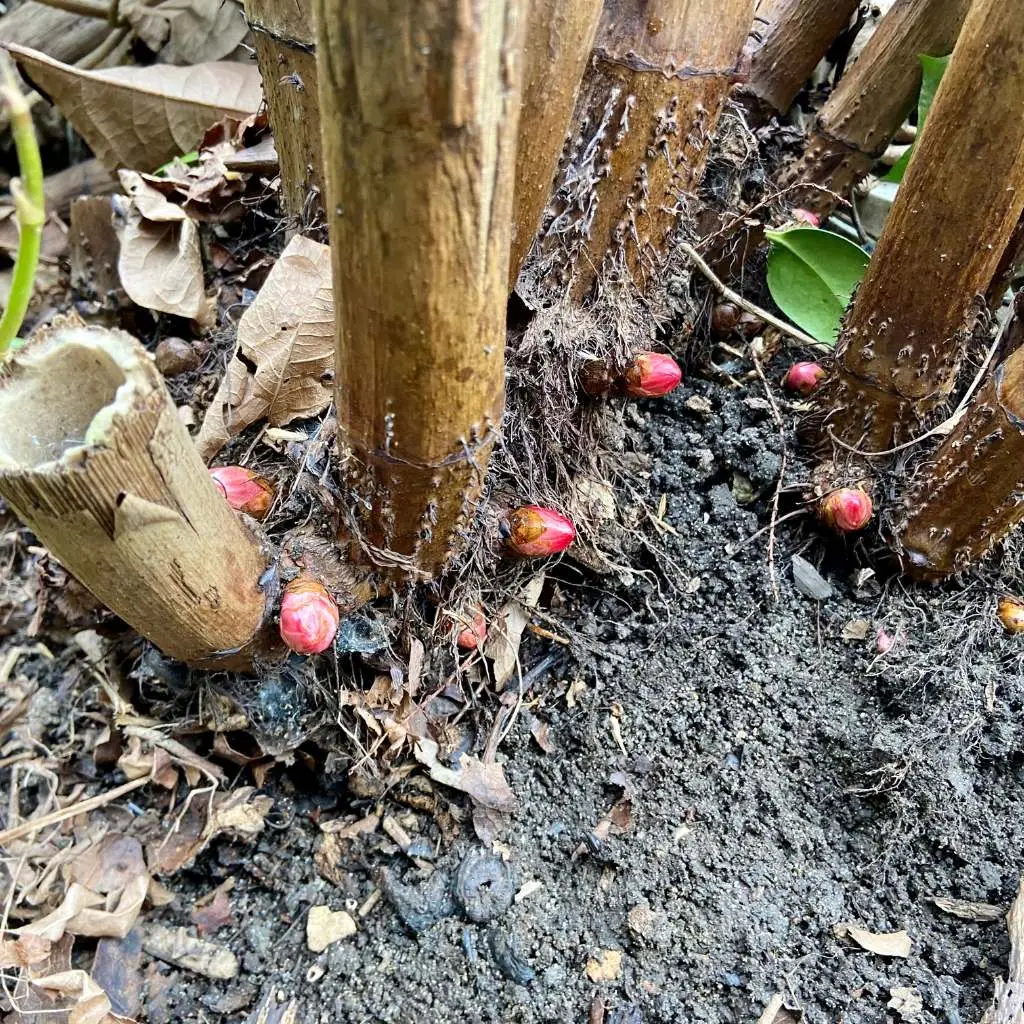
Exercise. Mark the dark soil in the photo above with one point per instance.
(783, 780)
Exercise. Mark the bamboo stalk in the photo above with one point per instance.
(902, 342)
(872, 100)
(94, 458)
(420, 169)
(559, 35)
(788, 39)
(971, 494)
(648, 106)
(285, 44)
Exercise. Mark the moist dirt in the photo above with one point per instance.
(783, 778)
(765, 775)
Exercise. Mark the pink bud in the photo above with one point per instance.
(473, 631)
(651, 374)
(535, 530)
(309, 616)
(246, 491)
(806, 217)
(884, 641)
(803, 378)
(846, 510)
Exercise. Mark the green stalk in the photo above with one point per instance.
(29, 203)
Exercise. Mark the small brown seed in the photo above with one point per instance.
(175, 356)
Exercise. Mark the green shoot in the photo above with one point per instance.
(29, 203)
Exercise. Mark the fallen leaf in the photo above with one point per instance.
(907, 1002)
(89, 1003)
(141, 117)
(213, 911)
(606, 966)
(541, 733)
(115, 968)
(287, 334)
(325, 926)
(505, 633)
(190, 31)
(983, 913)
(160, 264)
(24, 951)
(176, 946)
(856, 629)
(485, 783)
(350, 829)
(880, 943)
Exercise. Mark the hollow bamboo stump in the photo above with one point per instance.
(94, 458)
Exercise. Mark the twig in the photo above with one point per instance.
(952, 420)
(27, 193)
(56, 817)
(87, 8)
(739, 300)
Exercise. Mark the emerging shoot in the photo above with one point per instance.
(535, 531)
(309, 616)
(472, 630)
(846, 510)
(245, 491)
(651, 375)
(803, 378)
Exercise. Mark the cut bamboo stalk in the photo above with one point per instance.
(871, 101)
(285, 45)
(902, 342)
(559, 35)
(658, 78)
(420, 167)
(971, 495)
(788, 39)
(95, 459)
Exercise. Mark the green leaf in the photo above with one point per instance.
(811, 275)
(932, 70)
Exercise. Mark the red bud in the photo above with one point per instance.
(806, 217)
(1011, 614)
(803, 378)
(473, 631)
(246, 491)
(884, 641)
(535, 530)
(846, 510)
(651, 374)
(309, 616)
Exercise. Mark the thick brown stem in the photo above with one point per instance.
(420, 166)
(286, 52)
(658, 77)
(972, 494)
(872, 100)
(559, 35)
(95, 459)
(788, 39)
(902, 342)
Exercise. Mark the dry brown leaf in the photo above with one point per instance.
(160, 263)
(190, 31)
(485, 783)
(141, 117)
(288, 334)
(214, 912)
(907, 1002)
(983, 913)
(81, 913)
(24, 951)
(350, 829)
(880, 943)
(506, 631)
(606, 966)
(90, 1004)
